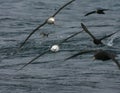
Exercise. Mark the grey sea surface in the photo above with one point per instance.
(45, 75)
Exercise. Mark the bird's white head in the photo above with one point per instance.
(51, 20)
(55, 48)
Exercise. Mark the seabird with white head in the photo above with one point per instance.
(50, 20)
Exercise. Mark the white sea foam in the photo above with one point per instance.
(111, 41)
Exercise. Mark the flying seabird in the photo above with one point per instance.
(106, 55)
(99, 55)
(98, 11)
(95, 40)
(53, 48)
(50, 20)
(44, 34)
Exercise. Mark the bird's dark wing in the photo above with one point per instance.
(62, 8)
(70, 37)
(33, 59)
(90, 13)
(86, 30)
(80, 53)
(108, 35)
(31, 34)
(117, 63)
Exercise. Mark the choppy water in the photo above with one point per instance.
(79, 75)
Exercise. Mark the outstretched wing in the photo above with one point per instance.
(31, 34)
(70, 37)
(87, 31)
(108, 35)
(79, 53)
(33, 59)
(62, 8)
(90, 13)
(117, 63)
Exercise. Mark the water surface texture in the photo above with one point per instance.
(78, 75)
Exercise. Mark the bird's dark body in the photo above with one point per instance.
(104, 55)
(97, 41)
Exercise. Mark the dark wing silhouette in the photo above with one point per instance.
(79, 53)
(62, 8)
(108, 35)
(31, 34)
(86, 30)
(90, 13)
(117, 63)
(70, 37)
(33, 59)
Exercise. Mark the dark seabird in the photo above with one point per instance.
(99, 55)
(54, 48)
(95, 40)
(44, 34)
(106, 55)
(98, 11)
(50, 20)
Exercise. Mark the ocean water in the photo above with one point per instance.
(49, 73)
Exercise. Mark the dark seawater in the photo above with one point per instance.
(78, 75)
